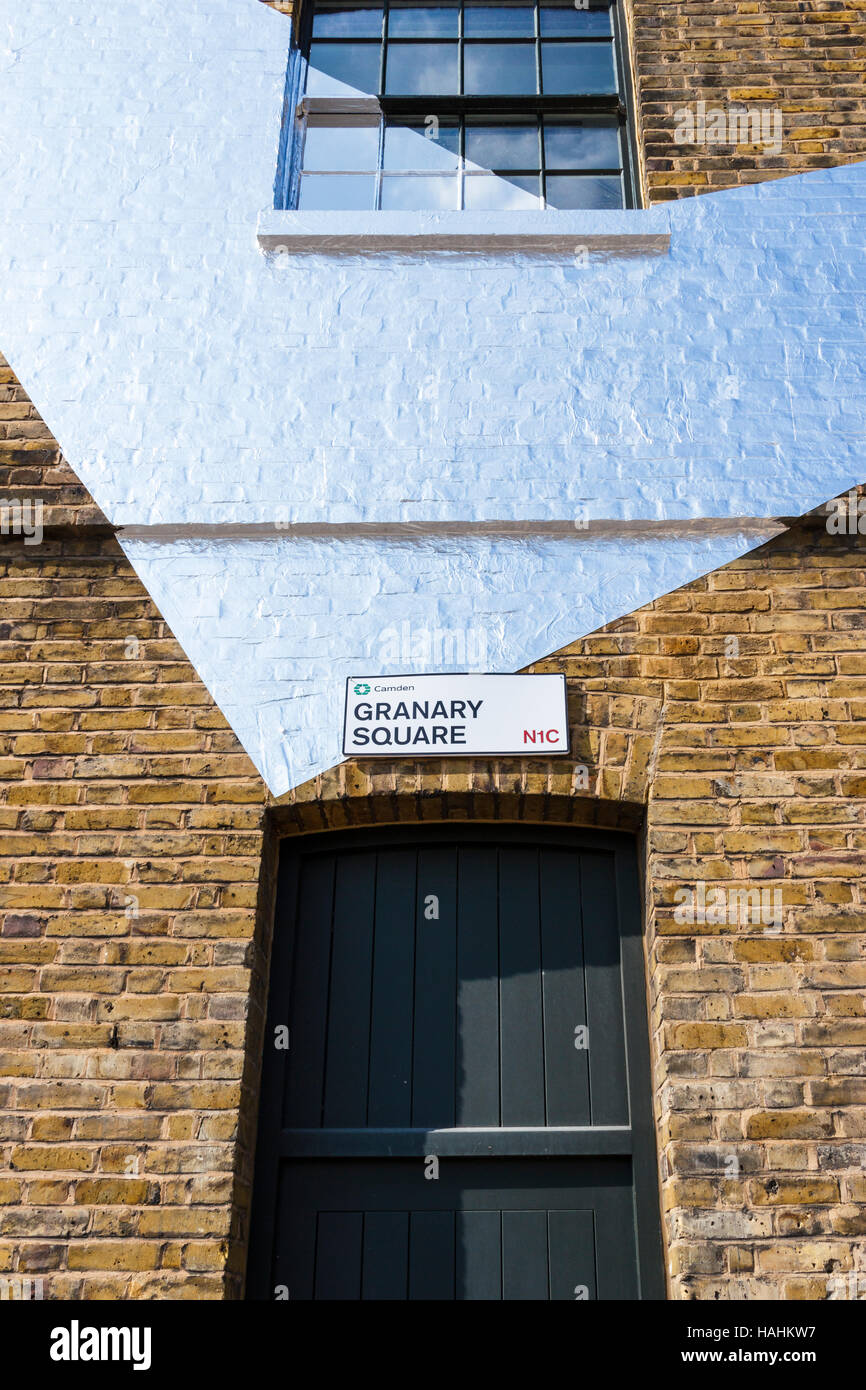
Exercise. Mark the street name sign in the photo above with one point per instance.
(444, 716)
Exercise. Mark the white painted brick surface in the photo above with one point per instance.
(275, 627)
(188, 376)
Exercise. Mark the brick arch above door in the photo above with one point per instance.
(603, 782)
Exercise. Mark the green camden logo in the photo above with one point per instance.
(361, 689)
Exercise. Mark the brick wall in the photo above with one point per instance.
(803, 58)
(759, 1032)
(135, 867)
(130, 858)
(731, 716)
(136, 885)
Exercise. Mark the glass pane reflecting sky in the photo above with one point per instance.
(499, 21)
(337, 193)
(422, 69)
(581, 147)
(341, 147)
(410, 147)
(347, 21)
(577, 67)
(356, 64)
(488, 191)
(503, 146)
(423, 21)
(584, 191)
(564, 21)
(499, 69)
(420, 193)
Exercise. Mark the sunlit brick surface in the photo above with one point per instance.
(135, 901)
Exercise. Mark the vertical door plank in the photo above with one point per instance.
(338, 1255)
(308, 1016)
(607, 1066)
(431, 1255)
(435, 989)
(386, 1255)
(477, 989)
(479, 1255)
(390, 1100)
(521, 1050)
(294, 1245)
(524, 1256)
(566, 1065)
(348, 1055)
(617, 1244)
(571, 1237)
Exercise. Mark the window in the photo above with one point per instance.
(412, 106)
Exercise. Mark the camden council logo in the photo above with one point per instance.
(361, 689)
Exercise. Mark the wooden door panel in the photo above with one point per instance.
(459, 996)
(513, 1229)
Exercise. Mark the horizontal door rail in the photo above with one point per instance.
(551, 1142)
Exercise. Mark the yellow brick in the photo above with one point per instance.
(699, 1035)
(111, 1255)
(794, 1192)
(67, 1157)
(790, 1124)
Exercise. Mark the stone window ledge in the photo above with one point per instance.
(575, 236)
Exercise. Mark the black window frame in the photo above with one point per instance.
(410, 108)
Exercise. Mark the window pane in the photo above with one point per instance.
(494, 69)
(337, 192)
(581, 146)
(347, 22)
(412, 147)
(422, 69)
(563, 21)
(411, 194)
(341, 147)
(503, 146)
(488, 191)
(577, 68)
(356, 64)
(423, 21)
(499, 21)
(584, 191)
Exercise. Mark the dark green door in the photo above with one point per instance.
(462, 1111)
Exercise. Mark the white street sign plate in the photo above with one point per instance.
(444, 716)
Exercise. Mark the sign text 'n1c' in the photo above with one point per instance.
(440, 716)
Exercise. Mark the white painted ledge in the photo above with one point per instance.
(596, 236)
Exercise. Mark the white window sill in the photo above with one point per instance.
(571, 235)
